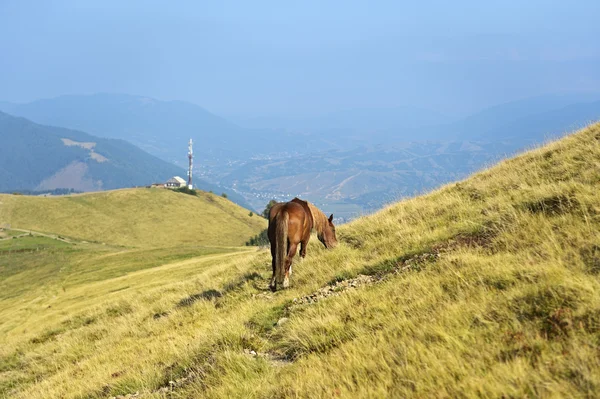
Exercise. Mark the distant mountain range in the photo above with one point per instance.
(162, 128)
(534, 127)
(38, 157)
(358, 159)
(522, 122)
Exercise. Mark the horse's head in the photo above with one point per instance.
(328, 237)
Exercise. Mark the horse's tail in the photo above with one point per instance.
(281, 234)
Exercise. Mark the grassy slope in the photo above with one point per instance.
(509, 305)
(135, 217)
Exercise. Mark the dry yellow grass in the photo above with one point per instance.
(135, 217)
(499, 295)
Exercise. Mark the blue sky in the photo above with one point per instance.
(281, 59)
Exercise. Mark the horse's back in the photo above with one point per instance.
(307, 211)
(296, 213)
(299, 219)
(294, 209)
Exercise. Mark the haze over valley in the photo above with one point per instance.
(352, 162)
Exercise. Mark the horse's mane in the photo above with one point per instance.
(319, 218)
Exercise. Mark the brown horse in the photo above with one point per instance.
(290, 224)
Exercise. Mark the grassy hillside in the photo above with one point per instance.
(135, 217)
(489, 287)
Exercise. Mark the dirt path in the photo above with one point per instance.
(37, 233)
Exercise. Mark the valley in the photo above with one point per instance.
(486, 287)
(351, 163)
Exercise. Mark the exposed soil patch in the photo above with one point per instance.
(73, 175)
(70, 143)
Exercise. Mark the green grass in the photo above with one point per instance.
(146, 218)
(8, 233)
(28, 244)
(508, 306)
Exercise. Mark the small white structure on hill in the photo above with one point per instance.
(175, 182)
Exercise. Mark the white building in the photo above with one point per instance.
(175, 182)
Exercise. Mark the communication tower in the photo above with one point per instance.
(191, 158)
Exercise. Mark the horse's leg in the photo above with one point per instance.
(303, 246)
(288, 263)
(273, 286)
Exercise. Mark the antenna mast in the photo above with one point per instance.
(191, 158)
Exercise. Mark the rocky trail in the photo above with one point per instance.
(338, 287)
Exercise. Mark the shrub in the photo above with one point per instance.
(265, 213)
(186, 190)
(259, 240)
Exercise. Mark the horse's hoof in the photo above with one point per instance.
(286, 283)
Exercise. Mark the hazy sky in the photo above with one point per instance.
(257, 58)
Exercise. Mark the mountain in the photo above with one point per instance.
(140, 217)
(389, 125)
(513, 111)
(487, 287)
(38, 157)
(161, 128)
(41, 157)
(355, 161)
(537, 127)
(522, 118)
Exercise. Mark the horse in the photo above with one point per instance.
(290, 224)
